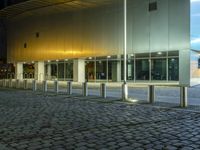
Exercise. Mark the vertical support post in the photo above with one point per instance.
(103, 90)
(151, 94)
(45, 86)
(124, 91)
(85, 89)
(56, 88)
(69, 88)
(25, 84)
(19, 71)
(79, 70)
(183, 96)
(34, 85)
(125, 86)
(39, 71)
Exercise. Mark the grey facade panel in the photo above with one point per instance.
(99, 31)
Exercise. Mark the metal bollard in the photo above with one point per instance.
(25, 84)
(183, 96)
(69, 88)
(85, 89)
(44, 86)
(124, 91)
(10, 83)
(56, 88)
(103, 90)
(4, 82)
(34, 85)
(17, 84)
(151, 94)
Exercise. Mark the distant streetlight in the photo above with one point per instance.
(125, 87)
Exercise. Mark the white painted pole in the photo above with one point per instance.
(125, 87)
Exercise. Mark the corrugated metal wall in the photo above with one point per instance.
(99, 31)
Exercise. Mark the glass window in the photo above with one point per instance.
(142, 69)
(101, 70)
(28, 71)
(54, 71)
(158, 69)
(61, 71)
(173, 69)
(69, 70)
(89, 70)
(48, 71)
(130, 69)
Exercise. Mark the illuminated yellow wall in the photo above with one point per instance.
(98, 31)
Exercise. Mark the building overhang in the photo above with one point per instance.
(56, 5)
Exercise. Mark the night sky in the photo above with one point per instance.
(10, 2)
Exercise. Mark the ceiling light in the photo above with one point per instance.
(159, 53)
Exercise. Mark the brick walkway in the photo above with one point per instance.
(30, 121)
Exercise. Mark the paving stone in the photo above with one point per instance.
(33, 120)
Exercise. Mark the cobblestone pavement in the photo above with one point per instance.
(30, 121)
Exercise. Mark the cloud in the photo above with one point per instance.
(195, 1)
(196, 40)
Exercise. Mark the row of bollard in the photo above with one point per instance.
(6, 83)
(69, 88)
(103, 90)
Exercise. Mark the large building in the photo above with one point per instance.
(83, 40)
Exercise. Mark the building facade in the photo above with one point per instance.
(83, 41)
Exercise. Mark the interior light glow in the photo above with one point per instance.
(132, 100)
(159, 53)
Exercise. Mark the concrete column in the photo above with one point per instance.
(34, 85)
(85, 89)
(151, 94)
(183, 96)
(79, 70)
(48, 71)
(103, 90)
(69, 88)
(19, 71)
(39, 71)
(116, 71)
